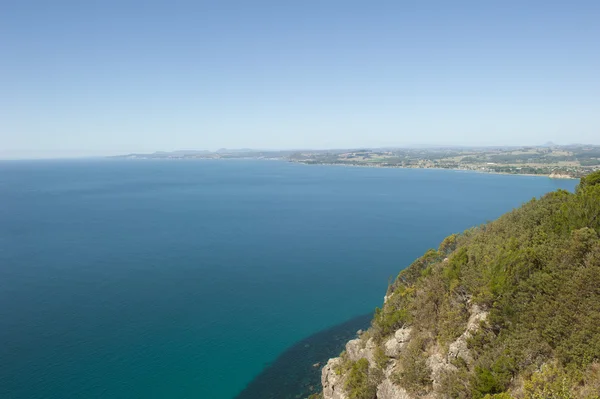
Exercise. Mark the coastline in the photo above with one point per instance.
(296, 373)
(549, 176)
(558, 176)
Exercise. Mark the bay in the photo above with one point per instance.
(187, 279)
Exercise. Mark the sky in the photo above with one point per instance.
(81, 78)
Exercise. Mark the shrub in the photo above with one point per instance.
(415, 376)
(454, 383)
(493, 379)
(358, 384)
(502, 395)
(551, 382)
(381, 360)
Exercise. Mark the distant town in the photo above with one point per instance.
(556, 161)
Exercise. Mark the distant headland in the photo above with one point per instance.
(554, 161)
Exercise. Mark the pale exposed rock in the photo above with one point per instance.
(393, 345)
(477, 316)
(370, 350)
(403, 335)
(391, 367)
(438, 364)
(556, 175)
(357, 349)
(459, 347)
(388, 390)
(333, 384)
(354, 349)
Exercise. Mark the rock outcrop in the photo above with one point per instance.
(459, 347)
(388, 390)
(393, 345)
(555, 175)
(333, 383)
(356, 349)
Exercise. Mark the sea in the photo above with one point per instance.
(214, 279)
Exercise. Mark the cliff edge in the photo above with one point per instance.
(509, 309)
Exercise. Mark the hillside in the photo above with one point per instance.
(510, 309)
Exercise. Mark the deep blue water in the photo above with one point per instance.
(185, 279)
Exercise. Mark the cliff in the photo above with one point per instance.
(510, 309)
(557, 175)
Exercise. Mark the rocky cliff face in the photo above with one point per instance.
(334, 378)
(556, 175)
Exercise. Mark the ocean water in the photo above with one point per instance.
(188, 279)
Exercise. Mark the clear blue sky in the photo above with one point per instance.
(102, 77)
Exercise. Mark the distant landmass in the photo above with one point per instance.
(556, 161)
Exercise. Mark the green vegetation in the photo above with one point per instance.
(360, 380)
(535, 272)
(415, 375)
(381, 360)
(358, 384)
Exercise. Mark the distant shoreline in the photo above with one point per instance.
(454, 169)
(552, 161)
(558, 176)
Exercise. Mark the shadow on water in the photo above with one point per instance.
(292, 374)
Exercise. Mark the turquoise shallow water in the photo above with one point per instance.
(186, 279)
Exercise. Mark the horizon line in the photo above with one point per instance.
(87, 154)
